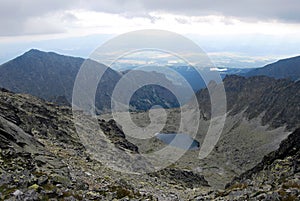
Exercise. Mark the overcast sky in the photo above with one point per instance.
(39, 23)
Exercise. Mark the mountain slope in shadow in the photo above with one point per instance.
(286, 68)
(51, 76)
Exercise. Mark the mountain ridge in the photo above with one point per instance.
(288, 68)
(51, 76)
(256, 95)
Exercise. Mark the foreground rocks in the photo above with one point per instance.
(276, 177)
(42, 158)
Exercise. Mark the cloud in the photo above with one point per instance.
(248, 9)
(18, 17)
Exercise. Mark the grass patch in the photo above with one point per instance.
(291, 184)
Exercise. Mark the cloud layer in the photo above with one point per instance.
(18, 17)
(252, 9)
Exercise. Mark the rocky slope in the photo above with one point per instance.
(276, 177)
(261, 112)
(42, 158)
(259, 95)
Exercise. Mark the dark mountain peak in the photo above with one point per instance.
(285, 68)
(51, 76)
(288, 59)
(31, 51)
(34, 52)
(49, 53)
(4, 90)
(42, 74)
(293, 62)
(40, 52)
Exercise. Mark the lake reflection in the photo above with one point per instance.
(179, 140)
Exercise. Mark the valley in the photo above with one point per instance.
(149, 100)
(49, 150)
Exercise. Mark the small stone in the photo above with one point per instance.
(57, 179)
(17, 193)
(93, 195)
(42, 180)
(34, 187)
(267, 187)
(32, 194)
(88, 173)
(261, 196)
(288, 191)
(71, 198)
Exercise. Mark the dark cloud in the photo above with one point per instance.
(23, 9)
(15, 14)
(288, 10)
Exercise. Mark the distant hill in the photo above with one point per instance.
(41, 74)
(51, 76)
(285, 68)
(192, 76)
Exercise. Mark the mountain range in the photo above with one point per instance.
(51, 76)
(275, 100)
(42, 156)
(283, 69)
